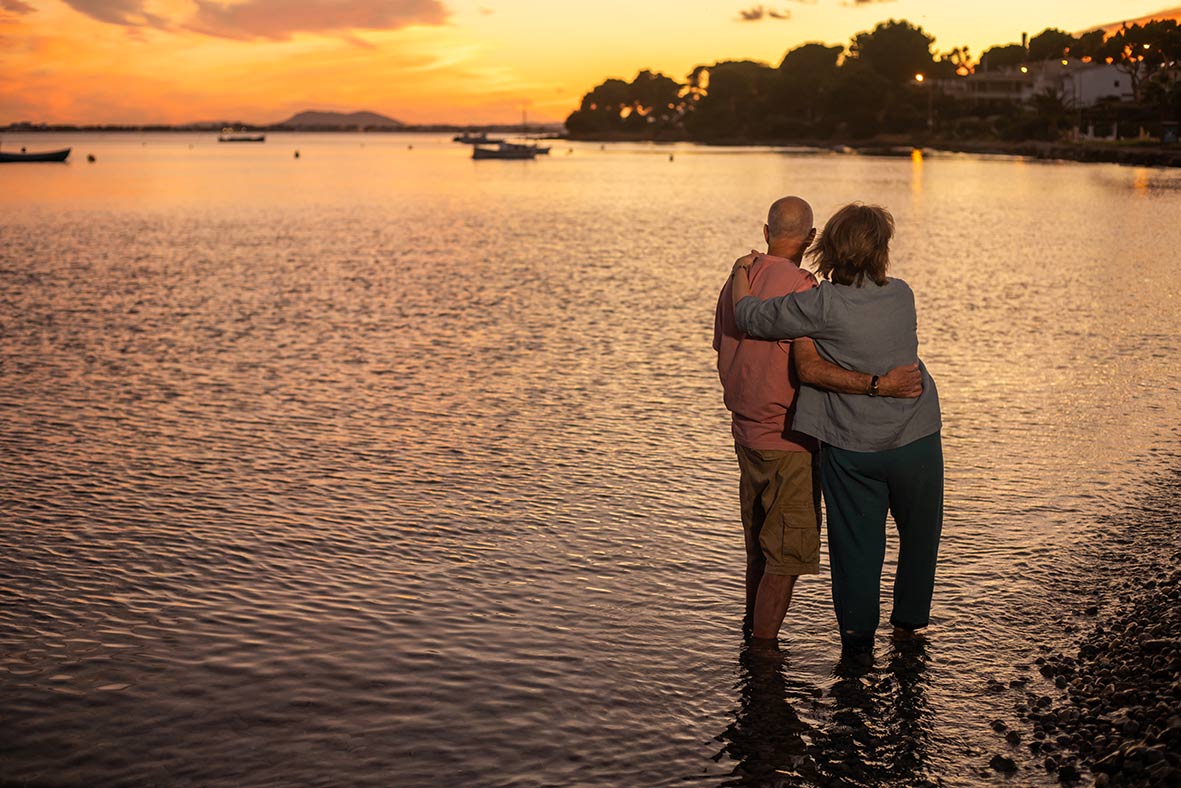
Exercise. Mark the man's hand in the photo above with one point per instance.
(903, 382)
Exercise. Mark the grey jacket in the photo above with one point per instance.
(869, 329)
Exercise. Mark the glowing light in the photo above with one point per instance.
(1064, 63)
(919, 77)
(1025, 69)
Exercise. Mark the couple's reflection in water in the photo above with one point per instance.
(872, 727)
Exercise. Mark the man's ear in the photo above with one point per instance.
(766, 233)
(811, 238)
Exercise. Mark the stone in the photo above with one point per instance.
(1003, 764)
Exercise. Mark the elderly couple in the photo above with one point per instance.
(826, 391)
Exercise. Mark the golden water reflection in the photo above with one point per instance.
(423, 462)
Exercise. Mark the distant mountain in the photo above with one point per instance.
(313, 119)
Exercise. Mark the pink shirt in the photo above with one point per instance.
(757, 378)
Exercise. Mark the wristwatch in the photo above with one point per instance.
(873, 386)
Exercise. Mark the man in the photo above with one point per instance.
(779, 488)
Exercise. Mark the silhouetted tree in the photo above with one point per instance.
(651, 100)
(1164, 93)
(859, 98)
(805, 77)
(656, 98)
(601, 109)
(1000, 57)
(957, 60)
(896, 50)
(1051, 109)
(733, 100)
(1142, 50)
(1050, 44)
(1089, 45)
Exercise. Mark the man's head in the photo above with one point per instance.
(789, 229)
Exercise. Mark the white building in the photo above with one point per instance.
(1082, 84)
(1079, 84)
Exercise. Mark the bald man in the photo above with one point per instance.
(779, 489)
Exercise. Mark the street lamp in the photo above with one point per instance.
(919, 80)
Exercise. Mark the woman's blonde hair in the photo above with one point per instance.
(855, 245)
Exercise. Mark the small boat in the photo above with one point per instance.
(505, 150)
(540, 150)
(468, 138)
(229, 135)
(49, 155)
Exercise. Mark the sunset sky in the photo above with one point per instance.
(423, 61)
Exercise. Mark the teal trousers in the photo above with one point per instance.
(859, 489)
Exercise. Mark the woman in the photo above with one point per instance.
(879, 454)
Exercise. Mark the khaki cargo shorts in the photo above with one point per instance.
(780, 495)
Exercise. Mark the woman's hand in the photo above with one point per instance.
(745, 262)
(740, 276)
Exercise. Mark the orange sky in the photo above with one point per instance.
(422, 61)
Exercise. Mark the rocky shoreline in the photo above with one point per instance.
(1121, 717)
(1109, 708)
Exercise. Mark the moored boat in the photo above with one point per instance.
(538, 150)
(49, 155)
(505, 150)
(469, 138)
(229, 135)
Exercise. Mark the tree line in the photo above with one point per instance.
(886, 81)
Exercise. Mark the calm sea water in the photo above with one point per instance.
(387, 467)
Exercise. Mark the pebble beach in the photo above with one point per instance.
(1107, 709)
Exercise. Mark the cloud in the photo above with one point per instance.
(16, 7)
(276, 20)
(859, 3)
(280, 19)
(128, 13)
(758, 13)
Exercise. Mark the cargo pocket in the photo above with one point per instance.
(800, 545)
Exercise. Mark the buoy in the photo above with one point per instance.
(297, 154)
(90, 157)
(409, 147)
(670, 157)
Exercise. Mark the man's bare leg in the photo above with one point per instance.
(754, 576)
(771, 603)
